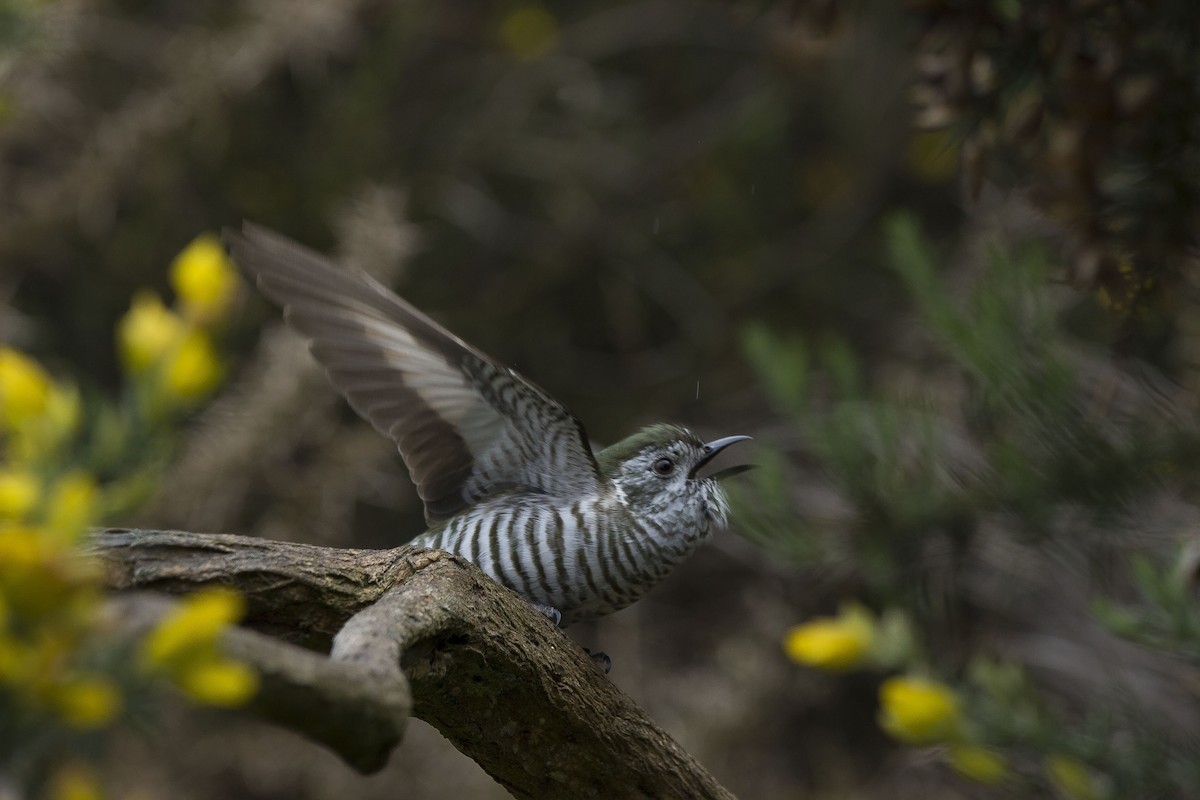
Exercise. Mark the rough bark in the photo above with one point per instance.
(504, 685)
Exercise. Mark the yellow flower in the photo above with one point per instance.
(24, 388)
(147, 333)
(193, 369)
(73, 504)
(1072, 778)
(19, 494)
(831, 643)
(183, 646)
(918, 710)
(528, 32)
(75, 781)
(34, 437)
(20, 549)
(61, 416)
(978, 763)
(204, 279)
(219, 682)
(62, 409)
(39, 574)
(191, 627)
(88, 703)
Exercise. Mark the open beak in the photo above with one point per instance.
(710, 452)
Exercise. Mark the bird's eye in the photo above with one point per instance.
(664, 467)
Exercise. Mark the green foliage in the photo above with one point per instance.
(1025, 444)
(1024, 409)
(782, 364)
(1166, 615)
(18, 23)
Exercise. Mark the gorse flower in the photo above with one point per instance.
(194, 625)
(979, 764)
(917, 710)
(528, 31)
(204, 279)
(60, 417)
(37, 415)
(184, 647)
(44, 584)
(62, 512)
(62, 677)
(219, 682)
(74, 501)
(193, 370)
(1073, 779)
(20, 492)
(49, 603)
(74, 781)
(24, 388)
(174, 360)
(147, 333)
(171, 353)
(87, 703)
(832, 643)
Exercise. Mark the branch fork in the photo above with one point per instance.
(351, 643)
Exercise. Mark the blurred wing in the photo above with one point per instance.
(466, 426)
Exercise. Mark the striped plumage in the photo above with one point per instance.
(506, 473)
(599, 553)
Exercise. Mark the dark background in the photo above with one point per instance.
(602, 195)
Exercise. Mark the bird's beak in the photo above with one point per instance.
(710, 452)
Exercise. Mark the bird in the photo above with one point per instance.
(507, 475)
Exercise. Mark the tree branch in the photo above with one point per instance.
(504, 685)
(361, 716)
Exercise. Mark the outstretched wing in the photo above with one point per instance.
(466, 426)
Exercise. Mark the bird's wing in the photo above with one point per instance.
(466, 426)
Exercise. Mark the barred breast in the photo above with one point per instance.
(587, 558)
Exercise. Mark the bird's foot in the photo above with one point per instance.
(549, 612)
(601, 660)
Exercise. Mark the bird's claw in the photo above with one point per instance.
(549, 612)
(601, 660)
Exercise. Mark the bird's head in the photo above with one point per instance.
(658, 471)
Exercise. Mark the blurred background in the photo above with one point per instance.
(671, 210)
